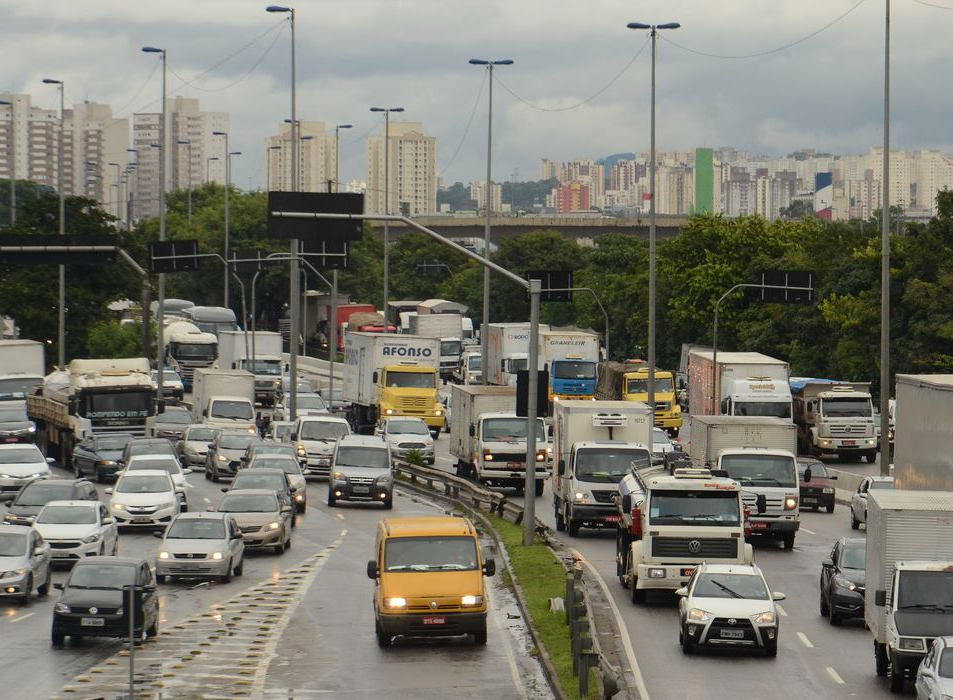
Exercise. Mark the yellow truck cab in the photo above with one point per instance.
(628, 381)
(410, 390)
(428, 573)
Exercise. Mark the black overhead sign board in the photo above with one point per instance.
(310, 228)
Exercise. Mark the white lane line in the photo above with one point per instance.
(206, 499)
(810, 532)
(805, 640)
(833, 674)
(23, 617)
(623, 630)
(339, 516)
(781, 611)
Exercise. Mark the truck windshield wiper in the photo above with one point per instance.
(732, 593)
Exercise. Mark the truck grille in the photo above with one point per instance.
(139, 430)
(662, 406)
(850, 431)
(721, 548)
(412, 402)
(775, 505)
(504, 459)
(603, 496)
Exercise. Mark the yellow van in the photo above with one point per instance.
(428, 574)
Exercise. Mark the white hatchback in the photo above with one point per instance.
(144, 499)
(77, 529)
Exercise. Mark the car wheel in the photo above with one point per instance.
(687, 645)
(57, 638)
(240, 569)
(227, 577)
(44, 590)
(331, 499)
(208, 476)
(771, 648)
(479, 637)
(880, 659)
(388, 503)
(214, 477)
(100, 477)
(825, 608)
(302, 508)
(383, 640)
(25, 599)
(896, 680)
(830, 507)
(836, 619)
(279, 548)
(853, 520)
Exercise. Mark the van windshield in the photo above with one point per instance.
(430, 554)
(607, 465)
(760, 470)
(238, 410)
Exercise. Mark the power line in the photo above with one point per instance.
(769, 51)
(466, 131)
(588, 99)
(930, 4)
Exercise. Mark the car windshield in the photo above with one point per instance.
(153, 447)
(748, 586)
(196, 529)
(817, 469)
(430, 554)
(322, 430)
(312, 402)
(928, 590)
(945, 667)
(67, 515)
(104, 576)
(200, 434)
(660, 439)
(877, 485)
(167, 377)
(846, 408)
(232, 410)
(608, 464)
(510, 429)
(18, 387)
(237, 442)
(176, 417)
(370, 457)
(574, 369)
(143, 484)
(760, 470)
(13, 415)
(641, 386)
(12, 544)
(166, 465)
(249, 503)
(39, 493)
(768, 409)
(718, 508)
(853, 557)
(112, 442)
(20, 455)
(407, 427)
(410, 380)
(285, 464)
(274, 448)
(250, 480)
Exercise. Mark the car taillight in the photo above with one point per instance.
(636, 529)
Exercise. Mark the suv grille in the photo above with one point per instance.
(363, 480)
(740, 625)
(248, 529)
(721, 548)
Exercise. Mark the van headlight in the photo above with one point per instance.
(468, 601)
(163, 555)
(912, 644)
(790, 502)
(394, 603)
(302, 451)
(581, 496)
(765, 618)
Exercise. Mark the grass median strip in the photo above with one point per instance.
(541, 576)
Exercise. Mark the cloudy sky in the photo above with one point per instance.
(557, 101)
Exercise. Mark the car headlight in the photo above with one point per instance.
(698, 615)
(765, 618)
(842, 582)
(299, 497)
(395, 603)
(383, 478)
(106, 463)
(61, 608)
(871, 442)
(302, 451)
(790, 502)
(471, 600)
(90, 539)
(31, 429)
(581, 496)
(221, 458)
(163, 506)
(118, 506)
(12, 574)
(912, 644)
(218, 556)
(163, 555)
(549, 451)
(274, 526)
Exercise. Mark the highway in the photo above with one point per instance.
(295, 625)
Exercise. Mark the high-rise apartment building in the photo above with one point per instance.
(412, 163)
(478, 194)
(28, 140)
(316, 162)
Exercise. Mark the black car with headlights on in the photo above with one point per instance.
(32, 497)
(99, 456)
(843, 577)
(93, 605)
(15, 426)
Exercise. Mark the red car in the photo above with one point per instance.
(819, 491)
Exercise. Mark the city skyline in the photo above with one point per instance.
(823, 93)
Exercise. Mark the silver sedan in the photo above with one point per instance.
(201, 544)
(24, 563)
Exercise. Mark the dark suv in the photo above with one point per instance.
(36, 494)
(146, 446)
(99, 455)
(819, 490)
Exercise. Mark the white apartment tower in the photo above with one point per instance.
(413, 165)
(316, 161)
(478, 194)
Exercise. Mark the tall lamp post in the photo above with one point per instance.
(186, 142)
(387, 111)
(885, 267)
(228, 183)
(12, 150)
(61, 306)
(654, 30)
(488, 206)
(337, 158)
(160, 311)
(131, 215)
(118, 188)
(295, 282)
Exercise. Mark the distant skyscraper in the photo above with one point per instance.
(823, 196)
(478, 194)
(316, 162)
(413, 170)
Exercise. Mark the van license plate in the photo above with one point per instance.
(514, 465)
(850, 443)
(733, 634)
(758, 526)
(435, 620)
(808, 500)
(92, 622)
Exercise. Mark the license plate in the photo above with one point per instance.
(758, 526)
(60, 554)
(850, 443)
(732, 634)
(142, 520)
(92, 622)
(808, 499)
(612, 518)
(687, 572)
(435, 620)
(514, 465)
(188, 567)
(362, 489)
(10, 439)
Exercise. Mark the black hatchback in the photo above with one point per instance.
(36, 494)
(92, 603)
(99, 455)
(843, 580)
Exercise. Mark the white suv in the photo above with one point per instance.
(19, 465)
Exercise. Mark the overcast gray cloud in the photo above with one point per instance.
(823, 93)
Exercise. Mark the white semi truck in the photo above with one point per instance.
(908, 599)
(834, 417)
(447, 329)
(224, 398)
(265, 349)
(489, 439)
(595, 444)
(187, 349)
(758, 453)
(745, 384)
(22, 368)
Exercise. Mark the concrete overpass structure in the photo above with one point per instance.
(578, 227)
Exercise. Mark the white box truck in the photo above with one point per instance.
(489, 439)
(572, 359)
(745, 384)
(595, 444)
(834, 417)
(22, 368)
(447, 329)
(758, 453)
(224, 398)
(265, 348)
(923, 457)
(507, 351)
(908, 600)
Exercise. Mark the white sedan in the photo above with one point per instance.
(144, 498)
(406, 435)
(168, 463)
(19, 465)
(77, 529)
(858, 502)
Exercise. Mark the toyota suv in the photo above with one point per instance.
(428, 579)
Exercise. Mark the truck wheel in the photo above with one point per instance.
(66, 451)
(331, 499)
(830, 507)
(573, 528)
(880, 659)
(871, 456)
(896, 680)
(436, 433)
(638, 594)
(788, 541)
(560, 521)
(540, 487)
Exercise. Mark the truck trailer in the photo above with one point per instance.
(234, 348)
(22, 368)
(224, 398)
(923, 456)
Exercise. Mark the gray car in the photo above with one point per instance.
(201, 544)
(192, 448)
(361, 471)
(406, 435)
(935, 675)
(226, 451)
(263, 520)
(24, 563)
(171, 423)
(292, 468)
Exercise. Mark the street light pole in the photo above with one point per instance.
(61, 307)
(132, 198)
(13, 162)
(228, 183)
(487, 197)
(189, 177)
(885, 266)
(337, 157)
(386, 111)
(652, 237)
(118, 189)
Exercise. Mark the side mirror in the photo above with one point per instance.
(682, 592)
(827, 563)
(627, 503)
(8, 503)
(224, 489)
(489, 567)
(205, 413)
(374, 378)
(209, 508)
(761, 503)
(472, 431)
(59, 586)
(561, 467)
(286, 509)
(39, 550)
(50, 460)
(151, 588)
(880, 598)
(832, 478)
(294, 436)
(373, 571)
(186, 471)
(108, 520)
(926, 671)
(238, 536)
(778, 596)
(108, 491)
(158, 534)
(807, 475)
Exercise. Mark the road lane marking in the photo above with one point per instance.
(339, 516)
(23, 617)
(623, 630)
(507, 650)
(781, 611)
(805, 640)
(810, 532)
(833, 674)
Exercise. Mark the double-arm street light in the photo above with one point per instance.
(61, 306)
(654, 30)
(130, 215)
(487, 198)
(387, 112)
(337, 157)
(12, 151)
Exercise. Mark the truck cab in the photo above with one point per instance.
(572, 377)
(229, 413)
(189, 349)
(756, 396)
(409, 389)
(635, 387)
(835, 417)
(470, 368)
(499, 451)
(769, 489)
